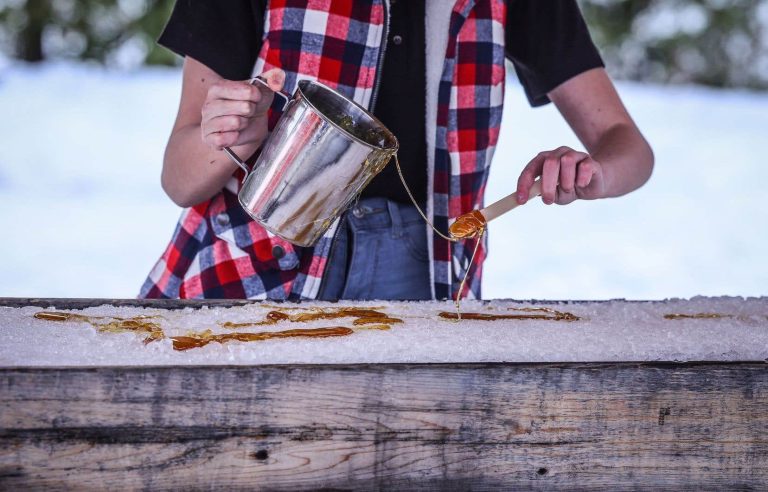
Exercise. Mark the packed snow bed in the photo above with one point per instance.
(713, 329)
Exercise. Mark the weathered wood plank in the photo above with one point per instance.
(384, 427)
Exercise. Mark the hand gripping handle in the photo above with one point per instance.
(232, 155)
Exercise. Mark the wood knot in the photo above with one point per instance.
(261, 455)
(663, 412)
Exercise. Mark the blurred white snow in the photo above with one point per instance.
(83, 214)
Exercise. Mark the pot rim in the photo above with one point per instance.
(390, 136)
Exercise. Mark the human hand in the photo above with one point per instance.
(235, 112)
(566, 175)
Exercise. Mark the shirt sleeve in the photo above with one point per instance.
(223, 35)
(548, 43)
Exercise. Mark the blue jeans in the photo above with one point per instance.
(380, 252)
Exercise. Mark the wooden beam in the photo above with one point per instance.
(646, 426)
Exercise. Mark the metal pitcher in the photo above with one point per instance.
(323, 151)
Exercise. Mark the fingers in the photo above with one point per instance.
(233, 108)
(549, 176)
(229, 97)
(568, 163)
(587, 169)
(230, 108)
(528, 176)
(228, 123)
(221, 140)
(562, 170)
(234, 91)
(214, 109)
(275, 79)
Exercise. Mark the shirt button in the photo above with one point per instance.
(397, 39)
(278, 252)
(223, 220)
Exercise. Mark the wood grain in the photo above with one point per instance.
(692, 426)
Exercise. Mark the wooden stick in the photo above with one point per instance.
(509, 202)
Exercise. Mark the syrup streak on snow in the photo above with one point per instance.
(549, 314)
(749, 319)
(137, 324)
(365, 319)
(368, 319)
(196, 340)
(375, 327)
(698, 316)
(365, 316)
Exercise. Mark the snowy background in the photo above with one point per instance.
(83, 214)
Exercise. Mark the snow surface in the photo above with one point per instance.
(83, 214)
(608, 331)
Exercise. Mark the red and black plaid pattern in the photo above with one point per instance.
(218, 251)
(470, 103)
(333, 42)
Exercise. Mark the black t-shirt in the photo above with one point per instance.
(546, 40)
(401, 103)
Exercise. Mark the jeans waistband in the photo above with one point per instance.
(376, 213)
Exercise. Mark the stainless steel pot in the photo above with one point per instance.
(323, 151)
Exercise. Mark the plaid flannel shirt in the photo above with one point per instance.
(217, 251)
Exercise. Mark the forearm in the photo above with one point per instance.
(626, 158)
(213, 113)
(593, 109)
(193, 171)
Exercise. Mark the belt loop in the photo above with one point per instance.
(397, 220)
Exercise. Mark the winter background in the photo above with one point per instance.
(83, 132)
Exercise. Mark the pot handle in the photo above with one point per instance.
(237, 160)
(285, 95)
